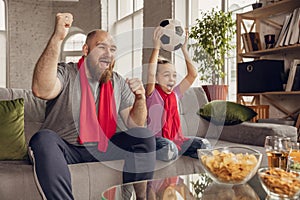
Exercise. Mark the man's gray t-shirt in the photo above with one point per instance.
(62, 113)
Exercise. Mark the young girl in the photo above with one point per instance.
(162, 95)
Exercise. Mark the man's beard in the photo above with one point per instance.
(98, 75)
(95, 72)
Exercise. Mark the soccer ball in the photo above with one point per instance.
(173, 35)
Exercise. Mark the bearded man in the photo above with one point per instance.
(84, 102)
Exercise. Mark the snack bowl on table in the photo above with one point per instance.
(231, 165)
(280, 184)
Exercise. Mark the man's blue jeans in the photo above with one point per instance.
(52, 155)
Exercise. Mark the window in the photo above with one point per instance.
(3, 39)
(2, 15)
(125, 8)
(72, 48)
(139, 4)
(205, 6)
(125, 23)
(187, 12)
(128, 7)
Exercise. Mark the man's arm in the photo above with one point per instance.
(136, 115)
(45, 83)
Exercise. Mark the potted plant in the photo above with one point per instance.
(212, 39)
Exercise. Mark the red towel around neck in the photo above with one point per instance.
(170, 119)
(92, 127)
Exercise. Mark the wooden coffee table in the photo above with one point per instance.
(193, 186)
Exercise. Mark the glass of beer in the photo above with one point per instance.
(294, 157)
(278, 149)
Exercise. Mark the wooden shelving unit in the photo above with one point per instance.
(257, 18)
(277, 8)
(264, 15)
(277, 50)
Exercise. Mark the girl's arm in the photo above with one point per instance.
(191, 75)
(152, 67)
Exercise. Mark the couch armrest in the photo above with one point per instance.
(251, 133)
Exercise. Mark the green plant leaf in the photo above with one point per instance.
(212, 40)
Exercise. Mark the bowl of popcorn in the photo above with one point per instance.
(280, 184)
(230, 165)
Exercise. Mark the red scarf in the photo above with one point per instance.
(170, 119)
(92, 127)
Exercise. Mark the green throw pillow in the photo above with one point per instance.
(12, 139)
(222, 112)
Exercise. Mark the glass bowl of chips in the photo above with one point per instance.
(230, 165)
(279, 184)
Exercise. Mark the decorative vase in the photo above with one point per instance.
(216, 92)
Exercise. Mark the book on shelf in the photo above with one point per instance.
(291, 29)
(292, 74)
(289, 33)
(283, 31)
(245, 40)
(295, 27)
(255, 41)
(251, 41)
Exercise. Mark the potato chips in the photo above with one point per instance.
(229, 167)
(280, 181)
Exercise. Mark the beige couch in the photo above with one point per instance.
(90, 179)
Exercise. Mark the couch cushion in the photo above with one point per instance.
(12, 138)
(251, 133)
(34, 108)
(17, 181)
(226, 113)
(191, 124)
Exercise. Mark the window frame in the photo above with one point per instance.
(64, 53)
(132, 60)
(5, 31)
(134, 9)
